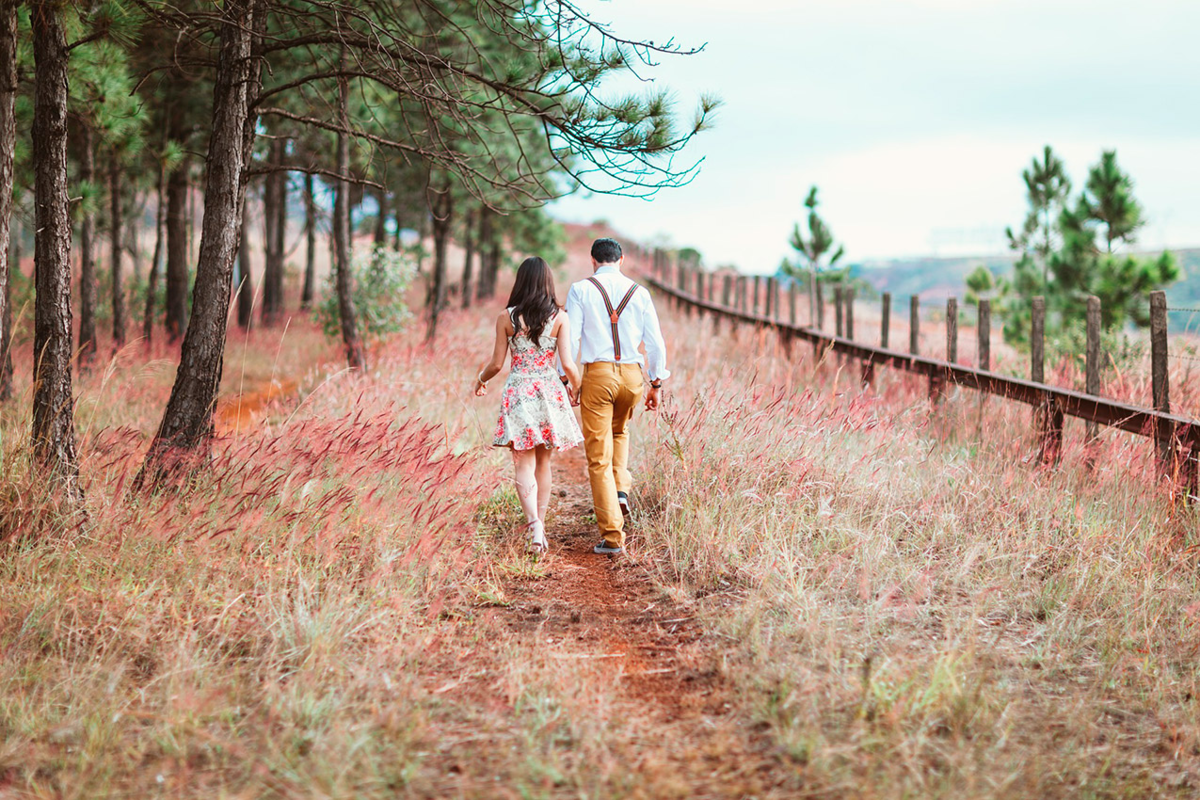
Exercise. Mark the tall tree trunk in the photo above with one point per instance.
(187, 427)
(118, 288)
(274, 224)
(155, 262)
(469, 243)
(6, 323)
(341, 230)
(310, 242)
(442, 206)
(397, 243)
(87, 252)
(177, 253)
(8, 144)
(245, 288)
(281, 219)
(381, 201)
(485, 252)
(53, 404)
(422, 235)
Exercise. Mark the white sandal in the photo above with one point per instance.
(537, 537)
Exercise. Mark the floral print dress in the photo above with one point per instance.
(534, 407)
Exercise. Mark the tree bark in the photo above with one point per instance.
(273, 201)
(469, 243)
(177, 253)
(486, 251)
(8, 144)
(381, 200)
(53, 404)
(245, 285)
(442, 206)
(87, 252)
(342, 233)
(118, 289)
(310, 242)
(156, 261)
(186, 430)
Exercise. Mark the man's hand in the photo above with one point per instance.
(652, 399)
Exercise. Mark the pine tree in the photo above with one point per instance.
(1081, 251)
(813, 249)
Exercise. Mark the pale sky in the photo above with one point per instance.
(914, 117)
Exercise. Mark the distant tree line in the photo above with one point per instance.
(1069, 248)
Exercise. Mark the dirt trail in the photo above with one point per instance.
(590, 606)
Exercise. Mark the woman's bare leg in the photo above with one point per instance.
(525, 467)
(544, 480)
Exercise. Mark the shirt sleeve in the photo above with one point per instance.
(574, 309)
(656, 349)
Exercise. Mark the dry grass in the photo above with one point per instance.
(901, 601)
(910, 605)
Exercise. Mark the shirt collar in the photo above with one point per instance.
(607, 269)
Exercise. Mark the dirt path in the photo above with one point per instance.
(590, 606)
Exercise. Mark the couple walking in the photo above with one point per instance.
(606, 318)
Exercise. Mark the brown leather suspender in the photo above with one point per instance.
(615, 313)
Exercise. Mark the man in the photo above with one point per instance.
(610, 317)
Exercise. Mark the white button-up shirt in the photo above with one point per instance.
(591, 328)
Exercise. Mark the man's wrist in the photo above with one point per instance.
(656, 383)
(565, 380)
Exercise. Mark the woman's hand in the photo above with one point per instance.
(480, 388)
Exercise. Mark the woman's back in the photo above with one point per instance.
(528, 356)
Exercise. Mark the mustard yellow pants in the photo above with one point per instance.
(608, 396)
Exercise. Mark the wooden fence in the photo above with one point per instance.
(757, 301)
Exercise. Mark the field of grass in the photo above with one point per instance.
(889, 598)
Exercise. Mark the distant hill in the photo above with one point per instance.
(940, 277)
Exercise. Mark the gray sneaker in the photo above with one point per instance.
(623, 501)
(605, 549)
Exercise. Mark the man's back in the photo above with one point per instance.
(591, 307)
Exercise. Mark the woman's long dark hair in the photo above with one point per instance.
(533, 299)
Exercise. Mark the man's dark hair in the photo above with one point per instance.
(606, 251)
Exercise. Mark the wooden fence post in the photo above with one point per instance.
(848, 299)
(1037, 342)
(726, 290)
(776, 298)
(770, 308)
(1048, 415)
(792, 302)
(886, 320)
(1092, 385)
(984, 334)
(1159, 380)
(820, 304)
(914, 324)
(952, 329)
(839, 317)
(754, 305)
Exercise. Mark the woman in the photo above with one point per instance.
(535, 412)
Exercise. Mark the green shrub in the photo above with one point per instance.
(381, 280)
